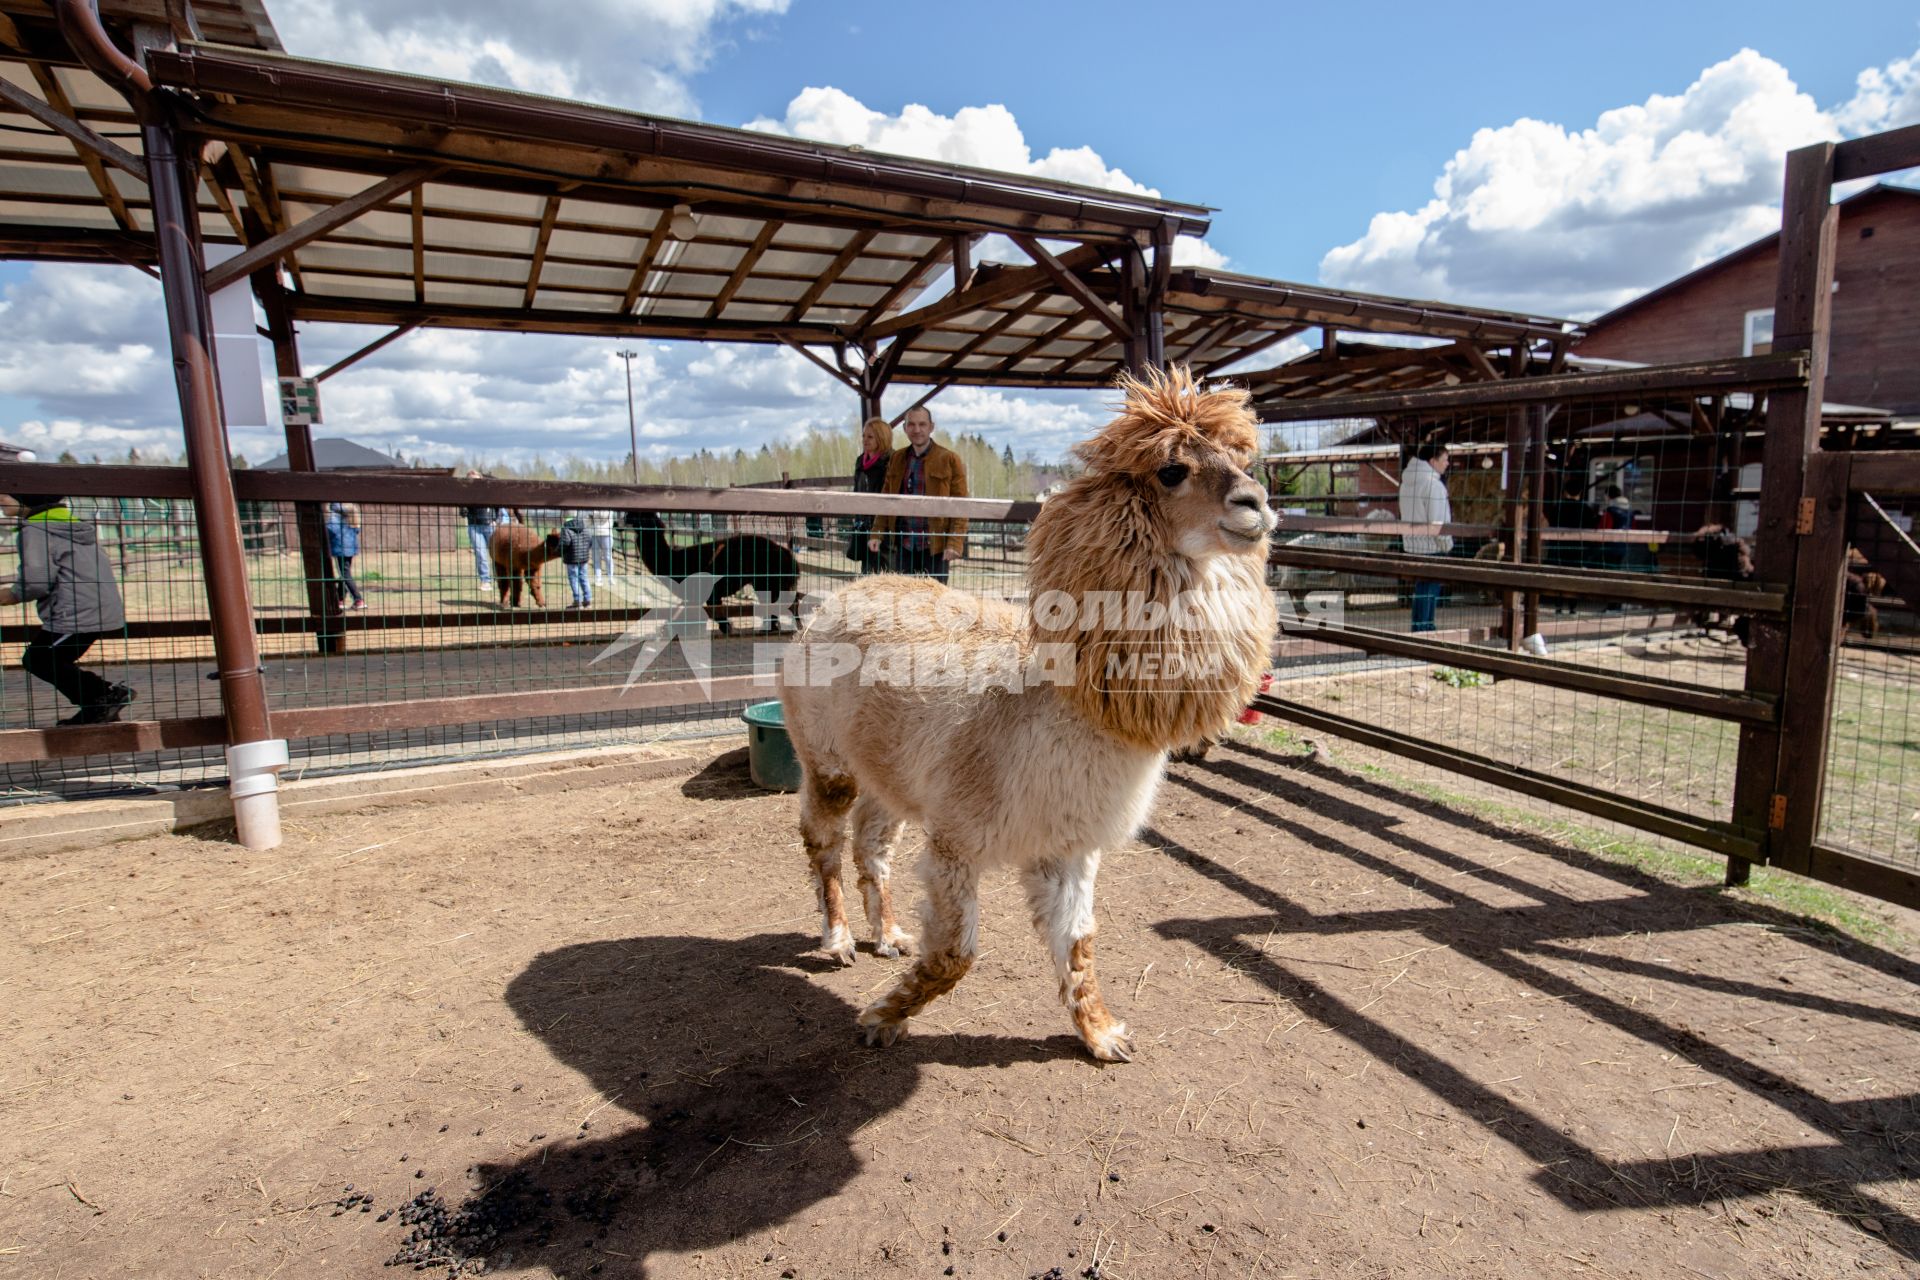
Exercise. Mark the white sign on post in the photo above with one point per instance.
(299, 401)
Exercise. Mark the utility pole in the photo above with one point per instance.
(633, 432)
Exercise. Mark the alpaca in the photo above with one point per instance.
(738, 561)
(1725, 555)
(1044, 771)
(519, 553)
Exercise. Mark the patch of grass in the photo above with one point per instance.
(1455, 678)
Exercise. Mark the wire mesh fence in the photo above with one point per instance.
(1598, 545)
(395, 604)
(1872, 794)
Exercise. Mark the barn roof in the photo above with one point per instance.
(336, 453)
(1767, 244)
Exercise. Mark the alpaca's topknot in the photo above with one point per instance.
(1163, 411)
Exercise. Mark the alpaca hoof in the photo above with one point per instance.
(1111, 1044)
(893, 945)
(839, 944)
(880, 1031)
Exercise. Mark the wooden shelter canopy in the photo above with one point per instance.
(390, 198)
(1024, 329)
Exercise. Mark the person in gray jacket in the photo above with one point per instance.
(65, 573)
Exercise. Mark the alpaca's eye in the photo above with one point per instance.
(1172, 474)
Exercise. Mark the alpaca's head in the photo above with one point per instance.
(1179, 455)
(1151, 565)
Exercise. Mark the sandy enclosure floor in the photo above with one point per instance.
(590, 1034)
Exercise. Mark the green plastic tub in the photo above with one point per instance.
(770, 757)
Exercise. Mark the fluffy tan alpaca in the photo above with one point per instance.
(1163, 522)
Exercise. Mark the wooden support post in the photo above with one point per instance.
(1779, 777)
(1512, 616)
(1536, 505)
(251, 747)
(329, 636)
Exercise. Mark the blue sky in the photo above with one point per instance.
(1561, 162)
(1298, 122)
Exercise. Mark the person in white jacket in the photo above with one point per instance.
(1423, 500)
(600, 530)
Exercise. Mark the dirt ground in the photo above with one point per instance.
(591, 1034)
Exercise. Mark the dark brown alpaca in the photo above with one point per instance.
(519, 552)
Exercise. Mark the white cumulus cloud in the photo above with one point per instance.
(1538, 216)
(630, 53)
(987, 137)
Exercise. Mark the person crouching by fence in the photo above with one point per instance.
(576, 549)
(480, 522)
(65, 573)
(343, 544)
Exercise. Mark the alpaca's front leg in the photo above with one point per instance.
(1061, 896)
(875, 831)
(823, 810)
(950, 938)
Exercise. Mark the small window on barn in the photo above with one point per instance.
(1759, 339)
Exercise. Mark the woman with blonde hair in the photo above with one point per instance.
(869, 476)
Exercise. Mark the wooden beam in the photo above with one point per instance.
(839, 376)
(1477, 360)
(1877, 153)
(644, 267)
(962, 261)
(57, 99)
(921, 403)
(743, 269)
(339, 214)
(835, 269)
(1251, 349)
(518, 319)
(367, 350)
(914, 274)
(985, 291)
(1073, 286)
(73, 131)
(225, 201)
(1314, 370)
(1012, 317)
(540, 241)
(1779, 369)
(416, 215)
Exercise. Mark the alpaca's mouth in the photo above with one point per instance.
(1244, 536)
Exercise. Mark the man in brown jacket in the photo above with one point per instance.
(923, 545)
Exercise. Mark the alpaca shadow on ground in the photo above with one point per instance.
(725, 777)
(747, 1080)
(1851, 1151)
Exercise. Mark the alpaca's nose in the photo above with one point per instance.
(1248, 495)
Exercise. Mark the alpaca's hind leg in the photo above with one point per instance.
(823, 810)
(875, 832)
(949, 939)
(1061, 896)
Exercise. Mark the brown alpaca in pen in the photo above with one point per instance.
(1044, 774)
(519, 552)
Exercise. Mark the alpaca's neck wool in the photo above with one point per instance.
(1166, 649)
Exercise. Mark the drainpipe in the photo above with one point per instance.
(254, 756)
